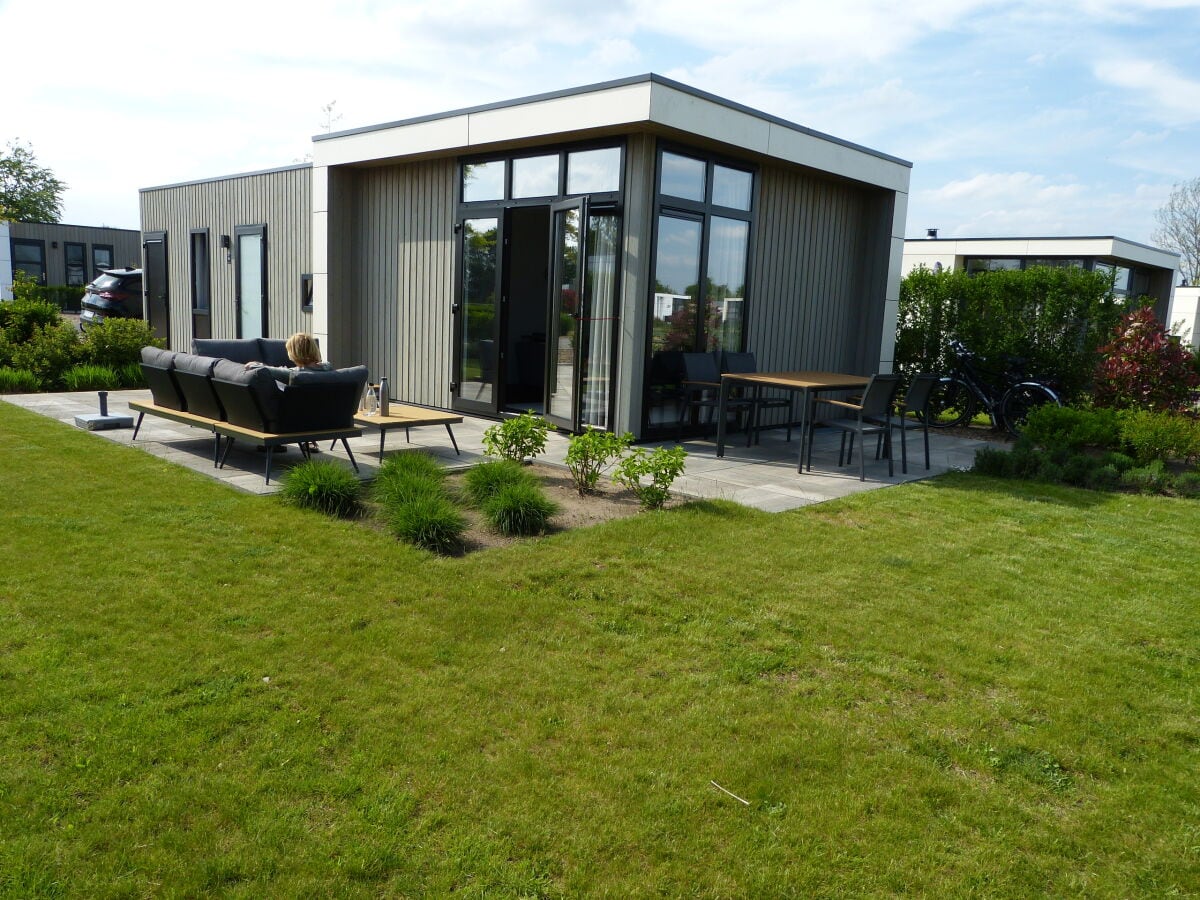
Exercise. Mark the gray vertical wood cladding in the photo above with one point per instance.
(281, 200)
(397, 256)
(638, 224)
(819, 273)
(126, 244)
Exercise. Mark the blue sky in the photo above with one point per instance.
(1074, 118)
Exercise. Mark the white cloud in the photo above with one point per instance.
(1154, 86)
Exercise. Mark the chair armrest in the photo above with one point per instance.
(842, 403)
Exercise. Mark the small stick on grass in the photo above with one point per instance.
(730, 793)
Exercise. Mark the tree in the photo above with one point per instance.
(28, 192)
(1179, 227)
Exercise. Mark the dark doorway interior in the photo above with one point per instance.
(524, 369)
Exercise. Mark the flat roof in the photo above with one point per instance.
(611, 107)
(216, 178)
(1110, 246)
(1071, 237)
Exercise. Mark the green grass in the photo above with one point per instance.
(952, 688)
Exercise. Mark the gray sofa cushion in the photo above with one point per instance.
(273, 352)
(194, 376)
(158, 368)
(270, 351)
(248, 396)
(317, 400)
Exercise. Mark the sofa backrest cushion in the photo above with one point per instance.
(319, 400)
(158, 368)
(194, 377)
(268, 351)
(248, 396)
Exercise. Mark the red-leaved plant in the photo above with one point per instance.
(1143, 367)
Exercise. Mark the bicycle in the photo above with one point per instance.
(956, 398)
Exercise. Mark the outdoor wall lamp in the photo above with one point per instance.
(227, 246)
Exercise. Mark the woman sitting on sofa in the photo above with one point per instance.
(301, 349)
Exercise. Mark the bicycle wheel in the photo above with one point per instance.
(951, 403)
(1020, 400)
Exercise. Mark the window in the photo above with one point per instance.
(594, 171)
(975, 264)
(201, 270)
(29, 256)
(483, 181)
(732, 187)
(683, 177)
(102, 258)
(306, 292)
(535, 176)
(75, 263)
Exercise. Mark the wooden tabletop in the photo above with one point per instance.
(800, 380)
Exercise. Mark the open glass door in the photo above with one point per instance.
(477, 316)
(581, 331)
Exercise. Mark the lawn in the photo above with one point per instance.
(957, 687)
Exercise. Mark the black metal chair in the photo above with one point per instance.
(865, 418)
(911, 413)
(701, 388)
(744, 363)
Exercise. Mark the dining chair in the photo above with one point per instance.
(860, 420)
(911, 413)
(702, 389)
(744, 364)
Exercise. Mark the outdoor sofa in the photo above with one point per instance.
(219, 394)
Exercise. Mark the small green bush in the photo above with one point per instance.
(662, 467)
(1161, 435)
(118, 342)
(48, 353)
(429, 521)
(590, 452)
(405, 476)
(1117, 460)
(1049, 470)
(1026, 462)
(1103, 478)
(521, 508)
(1148, 479)
(18, 381)
(993, 462)
(322, 485)
(415, 462)
(21, 317)
(1072, 428)
(91, 378)
(517, 438)
(1077, 470)
(1187, 484)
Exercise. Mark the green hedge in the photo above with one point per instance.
(1053, 318)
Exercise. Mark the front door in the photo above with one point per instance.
(251, 277)
(154, 281)
(581, 328)
(477, 314)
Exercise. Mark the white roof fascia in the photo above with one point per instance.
(637, 102)
(1117, 248)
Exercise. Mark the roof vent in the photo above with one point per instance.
(931, 234)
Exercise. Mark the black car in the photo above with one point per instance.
(115, 293)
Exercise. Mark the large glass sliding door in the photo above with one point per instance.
(583, 303)
(477, 314)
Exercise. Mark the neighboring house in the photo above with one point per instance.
(1140, 270)
(1185, 315)
(69, 255)
(556, 252)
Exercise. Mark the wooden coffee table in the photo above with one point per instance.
(401, 415)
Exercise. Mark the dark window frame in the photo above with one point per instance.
(259, 229)
(306, 292)
(563, 151)
(30, 242)
(112, 258)
(198, 308)
(82, 247)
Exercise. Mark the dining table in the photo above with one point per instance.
(807, 383)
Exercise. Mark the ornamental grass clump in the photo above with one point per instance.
(19, 381)
(429, 521)
(90, 377)
(322, 485)
(485, 480)
(406, 476)
(520, 508)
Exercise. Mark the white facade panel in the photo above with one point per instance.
(1185, 315)
(829, 156)
(601, 109)
(698, 116)
(432, 136)
(6, 272)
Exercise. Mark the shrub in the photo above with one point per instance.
(91, 378)
(1053, 318)
(662, 467)
(1187, 484)
(1118, 461)
(118, 342)
(416, 463)
(1048, 470)
(429, 521)
(485, 480)
(18, 381)
(1149, 479)
(1103, 478)
(1072, 428)
(517, 438)
(321, 485)
(994, 462)
(397, 487)
(588, 454)
(48, 353)
(1026, 462)
(19, 318)
(1161, 435)
(1078, 469)
(1143, 367)
(519, 508)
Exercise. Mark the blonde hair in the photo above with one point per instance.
(303, 349)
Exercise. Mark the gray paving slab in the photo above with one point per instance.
(763, 476)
